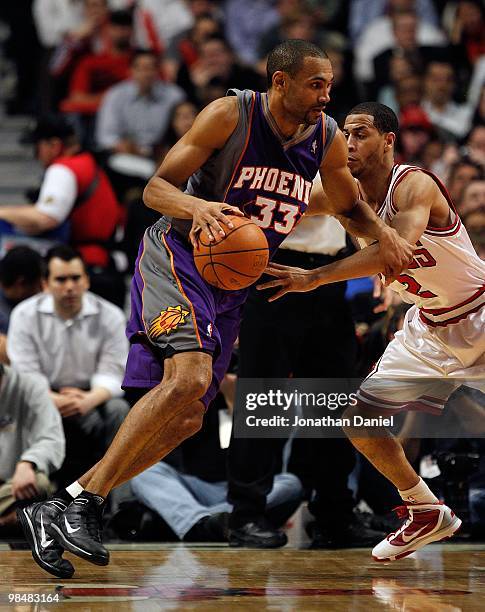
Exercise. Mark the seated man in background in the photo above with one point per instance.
(20, 278)
(191, 494)
(76, 203)
(135, 114)
(76, 340)
(31, 442)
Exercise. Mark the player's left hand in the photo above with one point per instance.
(396, 252)
(288, 279)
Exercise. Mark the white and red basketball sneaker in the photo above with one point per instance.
(425, 523)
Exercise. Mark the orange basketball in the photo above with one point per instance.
(235, 261)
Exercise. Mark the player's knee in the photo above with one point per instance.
(192, 418)
(356, 417)
(191, 388)
(352, 411)
(361, 410)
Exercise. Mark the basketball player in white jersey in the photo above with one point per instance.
(442, 342)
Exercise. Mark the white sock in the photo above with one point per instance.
(419, 494)
(74, 489)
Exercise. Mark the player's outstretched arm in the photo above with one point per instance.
(355, 215)
(414, 199)
(210, 131)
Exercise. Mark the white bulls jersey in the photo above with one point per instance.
(442, 343)
(446, 279)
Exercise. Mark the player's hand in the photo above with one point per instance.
(210, 219)
(383, 293)
(288, 279)
(24, 481)
(396, 252)
(387, 296)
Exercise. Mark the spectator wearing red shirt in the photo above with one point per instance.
(95, 74)
(91, 36)
(76, 203)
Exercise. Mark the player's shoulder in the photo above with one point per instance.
(223, 110)
(413, 185)
(414, 178)
(215, 123)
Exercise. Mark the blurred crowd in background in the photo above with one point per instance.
(131, 75)
(119, 82)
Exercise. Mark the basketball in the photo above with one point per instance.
(237, 260)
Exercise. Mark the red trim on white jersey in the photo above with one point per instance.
(451, 230)
(456, 319)
(438, 311)
(425, 403)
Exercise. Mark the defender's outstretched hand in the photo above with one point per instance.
(288, 279)
(210, 219)
(396, 253)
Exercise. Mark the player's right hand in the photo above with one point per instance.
(210, 219)
(396, 253)
(288, 279)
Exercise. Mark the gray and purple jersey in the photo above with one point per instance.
(266, 175)
(269, 178)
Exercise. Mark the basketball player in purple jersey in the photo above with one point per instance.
(247, 154)
(442, 342)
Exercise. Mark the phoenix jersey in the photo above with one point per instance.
(269, 177)
(446, 279)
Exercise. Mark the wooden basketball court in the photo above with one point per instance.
(440, 578)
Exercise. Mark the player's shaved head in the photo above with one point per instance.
(385, 119)
(288, 57)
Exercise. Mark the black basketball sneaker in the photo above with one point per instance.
(36, 521)
(78, 529)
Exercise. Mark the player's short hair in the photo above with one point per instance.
(64, 252)
(385, 119)
(288, 57)
(21, 262)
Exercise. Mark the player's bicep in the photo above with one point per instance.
(183, 159)
(410, 224)
(338, 184)
(210, 131)
(413, 199)
(319, 203)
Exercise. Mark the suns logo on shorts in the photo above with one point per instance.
(167, 321)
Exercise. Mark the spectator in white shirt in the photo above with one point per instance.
(379, 36)
(447, 116)
(76, 340)
(135, 113)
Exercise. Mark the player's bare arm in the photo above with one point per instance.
(210, 131)
(416, 198)
(342, 201)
